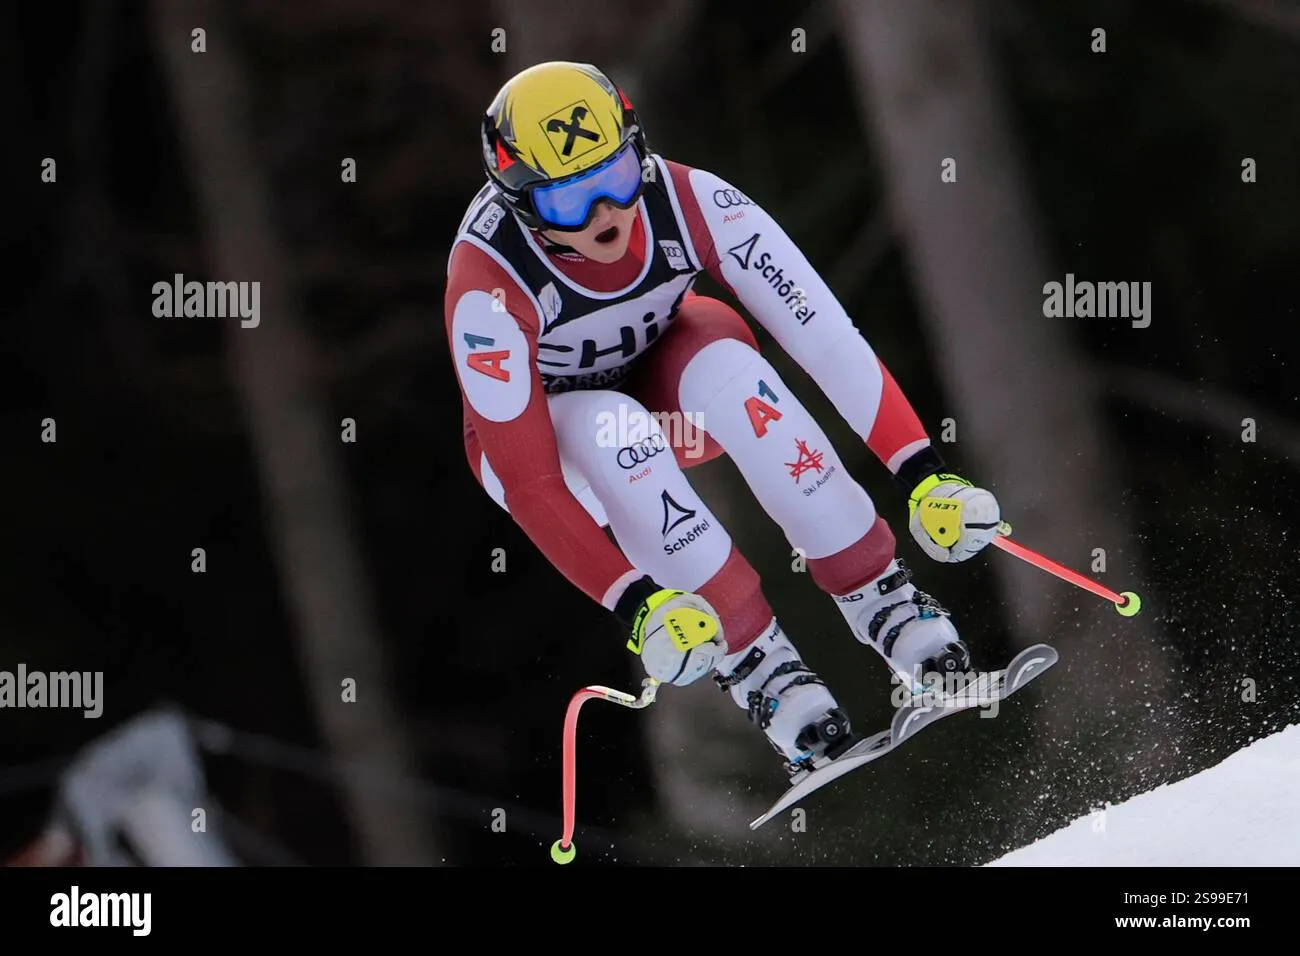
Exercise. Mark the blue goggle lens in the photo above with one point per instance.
(568, 205)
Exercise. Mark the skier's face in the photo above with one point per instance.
(605, 239)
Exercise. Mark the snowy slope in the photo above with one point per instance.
(1244, 811)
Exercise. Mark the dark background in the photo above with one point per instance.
(373, 559)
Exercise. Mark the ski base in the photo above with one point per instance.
(983, 689)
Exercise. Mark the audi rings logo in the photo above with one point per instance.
(726, 198)
(630, 456)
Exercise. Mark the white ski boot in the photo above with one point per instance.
(908, 628)
(787, 700)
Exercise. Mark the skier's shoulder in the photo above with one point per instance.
(703, 200)
(485, 250)
(699, 181)
(482, 220)
(483, 276)
(669, 177)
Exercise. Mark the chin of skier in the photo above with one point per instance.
(569, 307)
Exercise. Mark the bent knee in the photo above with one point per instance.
(717, 365)
(600, 418)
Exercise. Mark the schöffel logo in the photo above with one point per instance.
(685, 539)
(726, 198)
(791, 292)
(671, 521)
(629, 456)
(674, 514)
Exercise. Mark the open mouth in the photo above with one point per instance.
(606, 236)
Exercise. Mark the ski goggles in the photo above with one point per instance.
(570, 204)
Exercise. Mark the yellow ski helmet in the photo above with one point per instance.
(557, 138)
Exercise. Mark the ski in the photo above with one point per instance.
(856, 756)
(986, 688)
(914, 716)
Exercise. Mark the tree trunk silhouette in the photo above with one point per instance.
(1026, 404)
(302, 487)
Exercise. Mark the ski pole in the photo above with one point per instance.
(563, 850)
(1126, 603)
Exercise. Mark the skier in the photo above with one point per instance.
(570, 310)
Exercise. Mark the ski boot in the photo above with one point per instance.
(908, 628)
(788, 701)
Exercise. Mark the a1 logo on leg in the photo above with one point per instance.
(760, 412)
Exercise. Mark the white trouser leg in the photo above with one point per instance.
(782, 453)
(660, 522)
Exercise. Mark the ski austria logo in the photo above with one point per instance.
(791, 292)
(807, 460)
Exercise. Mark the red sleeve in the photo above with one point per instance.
(897, 433)
(697, 230)
(495, 352)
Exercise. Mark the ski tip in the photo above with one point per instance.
(1029, 663)
(1041, 655)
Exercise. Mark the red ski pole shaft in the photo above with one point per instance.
(1126, 602)
(563, 850)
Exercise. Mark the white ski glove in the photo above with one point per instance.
(678, 636)
(951, 519)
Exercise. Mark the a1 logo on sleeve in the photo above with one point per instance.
(485, 362)
(491, 358)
